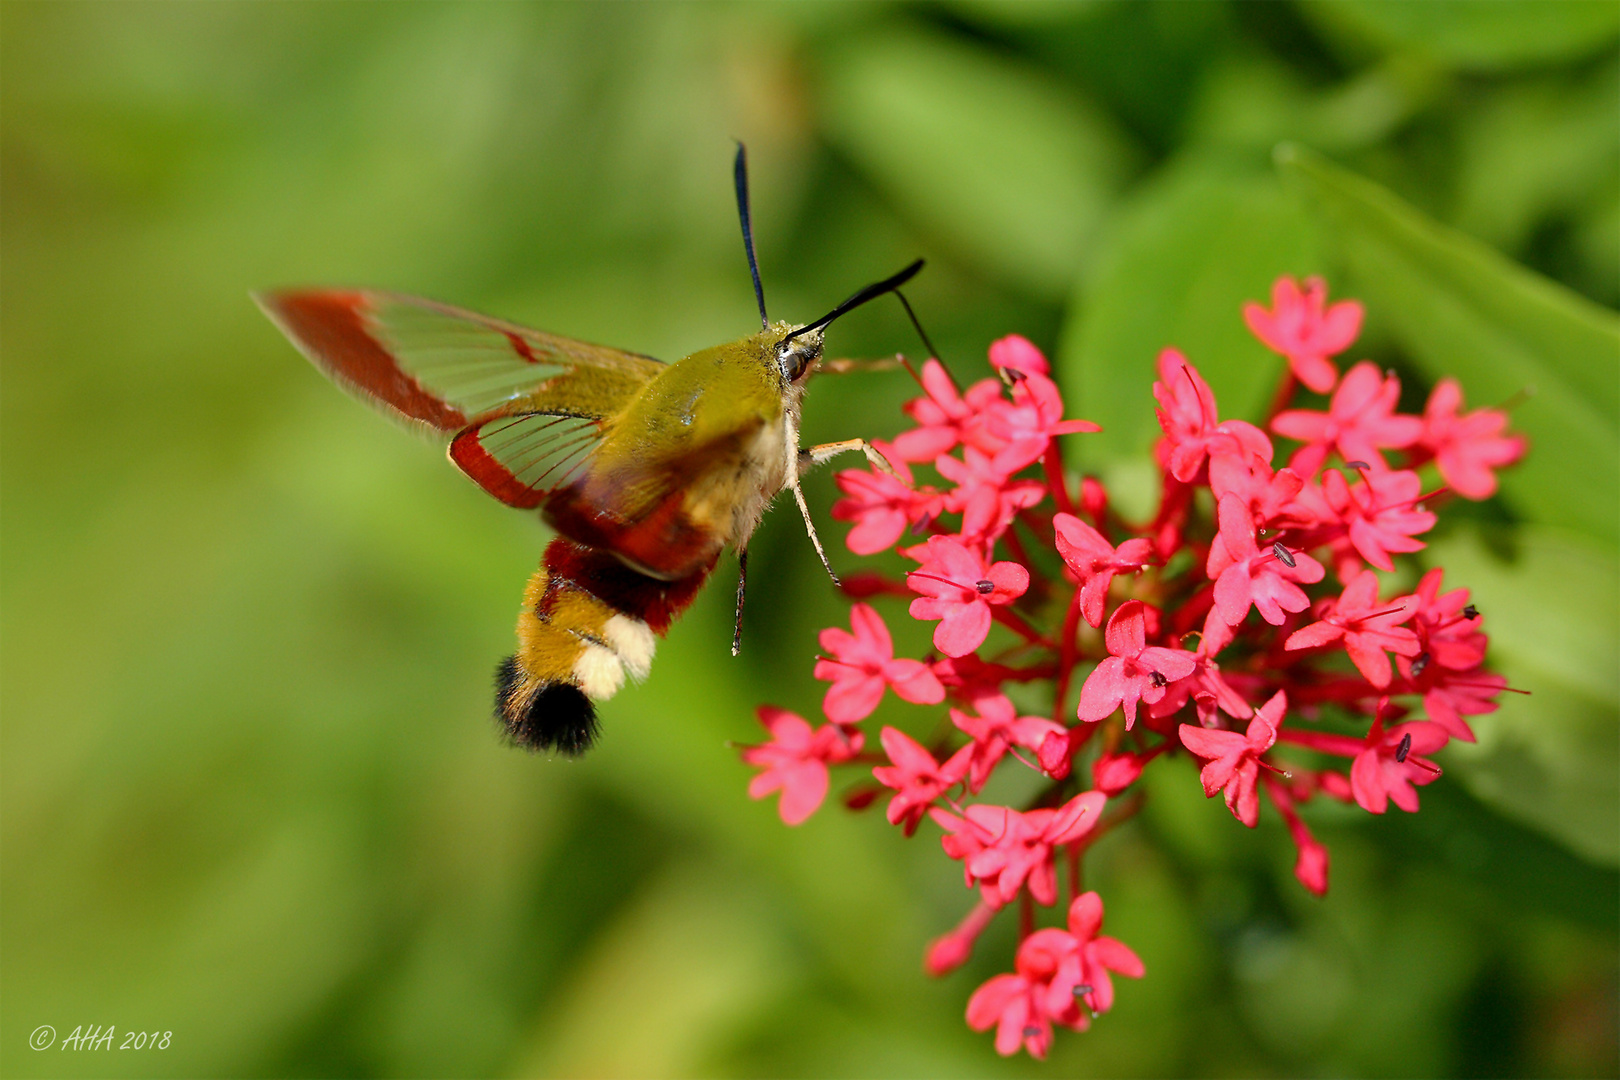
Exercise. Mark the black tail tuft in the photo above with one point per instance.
(557, 716)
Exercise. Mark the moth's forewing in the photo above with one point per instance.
(526, 408)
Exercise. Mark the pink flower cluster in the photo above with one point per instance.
(1228, 627)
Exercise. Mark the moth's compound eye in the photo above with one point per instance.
(793, 357)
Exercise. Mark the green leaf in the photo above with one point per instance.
(1458, 308)
(1481, 36)
(1552, 758)
(1175, 271)
(1010, 168)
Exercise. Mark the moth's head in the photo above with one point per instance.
(796, 352)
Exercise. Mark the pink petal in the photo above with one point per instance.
(1115, 955)
(1086, 916)
(1104, 688)
(1127, 629)
(852, 700)
(991, 1000)
(963, 630)
(1313, 636)
(914, 681)
(803, 789)
(1367, 782)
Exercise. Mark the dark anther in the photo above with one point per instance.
(1282, 554)
(921, 526)
(985, 587)
(1357, 465)
(1082, 990)
(1405, 748)
(1032, 1033)
(1158, 679)
(1470, 612)
(1419, 662)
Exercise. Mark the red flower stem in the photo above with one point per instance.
(1026, 915)
(1038, 527)
(1342, 745)
(1068, 656)
(1281, 800)
(1016, 546)
(1073, 854)
(1052, 463)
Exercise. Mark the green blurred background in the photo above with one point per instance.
(251, 793)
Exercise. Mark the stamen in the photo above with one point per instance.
(1032, 1033)
(1420, 662)
(1082, 989)
(1405, 748)
(1158, 679)
(1357, 465)
(1283, 555)
(1470, 612)
(985, 586)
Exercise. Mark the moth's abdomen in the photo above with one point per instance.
(587, 621)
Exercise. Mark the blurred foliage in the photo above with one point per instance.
(249, 793)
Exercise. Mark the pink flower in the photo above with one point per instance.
(1134, 671)
(863, 664)
(1030, 423)
(1015, 1005)
(1301, 327)
(1391, 764)
(1380, 512)
(944, 417)
(1002, 850)
(1187, 414)
(1447, 669)
(1447, 626)
(1088, 957)
(1360, 418)
(994, 731)
(1095, 561)
(916, 777)
(1017, 353)
(796, 760)
(1205, 688)
(1366, 626)
(986, 496)
(1234, 760)
(1272, 497)
(1467, 448)
(959, 586)
(1247, 574)
(882, 506)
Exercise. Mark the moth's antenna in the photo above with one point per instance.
(871, 292)
(741, 174)
(929, 345)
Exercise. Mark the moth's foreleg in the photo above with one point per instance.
(816, 455)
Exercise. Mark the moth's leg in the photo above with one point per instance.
(815, 455)
(793, 467)
(742, 581)
(846, 365)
